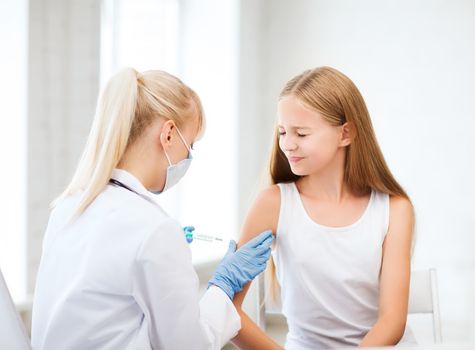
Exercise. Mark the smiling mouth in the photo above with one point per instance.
(295, 159)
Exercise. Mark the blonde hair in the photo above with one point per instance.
(337, 99)
(129, 103)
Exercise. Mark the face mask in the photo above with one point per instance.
(176, 171)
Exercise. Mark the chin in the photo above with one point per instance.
(299, 172)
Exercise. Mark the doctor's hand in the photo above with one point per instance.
(241, 266)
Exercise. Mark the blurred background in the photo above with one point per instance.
(413, 61)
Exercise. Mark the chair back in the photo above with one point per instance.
(424, 298)
(12, 331)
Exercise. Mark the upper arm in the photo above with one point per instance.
(263, 215)
(396, 264)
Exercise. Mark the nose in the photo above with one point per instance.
(287, 144)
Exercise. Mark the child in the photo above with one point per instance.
(343, 223)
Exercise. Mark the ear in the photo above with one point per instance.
(166, 134)
(347, 134)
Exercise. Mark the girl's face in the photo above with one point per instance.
(310, 143)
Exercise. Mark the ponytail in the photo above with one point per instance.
(107, 139)
(128, 104)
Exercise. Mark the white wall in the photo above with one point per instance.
(63, 81)
(251, 131)
(413, 62)
(13, 64)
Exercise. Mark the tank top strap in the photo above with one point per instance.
(381, 211)
(287, 207)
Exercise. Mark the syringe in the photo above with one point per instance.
(206, 238)
(190, 235)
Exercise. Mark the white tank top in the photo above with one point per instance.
(329, 276)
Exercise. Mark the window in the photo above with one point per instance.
(187, 39)
(142, 34)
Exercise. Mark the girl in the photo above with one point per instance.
(116, 271)
(343, 223)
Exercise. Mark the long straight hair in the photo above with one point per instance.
(337, 99)
(129, 103)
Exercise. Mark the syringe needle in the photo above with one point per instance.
(206, 237)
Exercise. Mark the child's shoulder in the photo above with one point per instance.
(269, 194)
(263, 214)
(268, 200)
(401, 224)
(400, 204)
(401, 215)
(270, 197)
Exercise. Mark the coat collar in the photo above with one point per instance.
(133, 183)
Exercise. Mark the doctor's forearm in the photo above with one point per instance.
(387, 331)
(251, 337)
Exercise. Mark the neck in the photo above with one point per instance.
(327, 184)
(140, 164)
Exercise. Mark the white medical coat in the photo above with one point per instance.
(121, 277)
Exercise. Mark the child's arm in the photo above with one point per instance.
(395, 276)
(264, 214)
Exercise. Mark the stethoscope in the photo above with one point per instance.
(188, 230)
(120, 184)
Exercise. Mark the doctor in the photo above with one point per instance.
(116, 270)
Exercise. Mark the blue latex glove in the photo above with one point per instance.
(241, 266)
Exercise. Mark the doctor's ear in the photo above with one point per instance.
(347, 134)
(166, 133)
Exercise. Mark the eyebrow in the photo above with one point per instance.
(295, 127)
